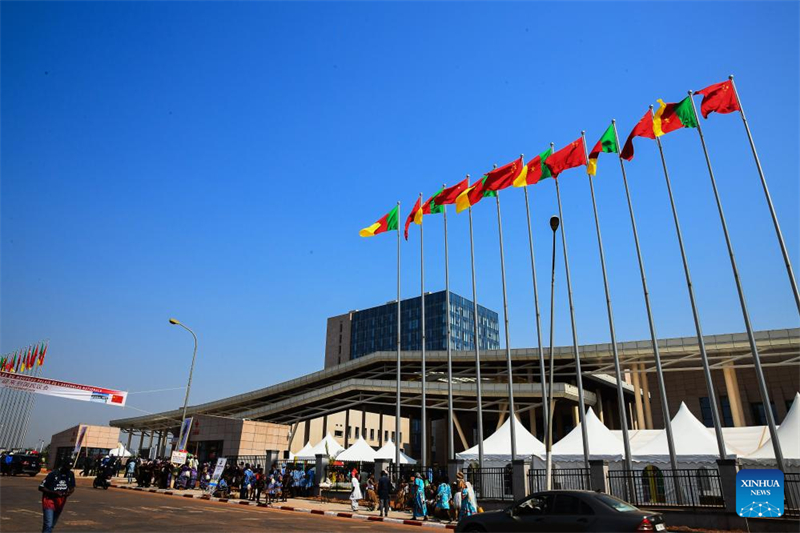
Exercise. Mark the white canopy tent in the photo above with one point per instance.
(788, 437)
(303, 454)
(694, 444)
(603, 444)
(497, 447)
(119, 451)
(388, 451)
(359, 452)
(327, 446)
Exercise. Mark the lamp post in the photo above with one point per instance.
(191, 370)
(554, 221)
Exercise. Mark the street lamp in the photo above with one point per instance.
(191, 370)
(549, 451)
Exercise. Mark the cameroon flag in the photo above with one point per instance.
(387, 223)
(414, 216)
(607, 144)
(430, 207)
(536, 170)
(671, 117)
(473, 195)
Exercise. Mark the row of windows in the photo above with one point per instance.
(340, 433)
(756, 408)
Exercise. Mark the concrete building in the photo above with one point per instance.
(359, 333)
(98, 440)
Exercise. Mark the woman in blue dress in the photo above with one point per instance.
(418, 492)
(467, 505)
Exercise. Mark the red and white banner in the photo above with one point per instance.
(63, 389)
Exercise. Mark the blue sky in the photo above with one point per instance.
(214, 162)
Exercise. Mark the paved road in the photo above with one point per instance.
(122, 510)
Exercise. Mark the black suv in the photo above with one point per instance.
(13, 464)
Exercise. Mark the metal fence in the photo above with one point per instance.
(563, 478)
(490, 483)
(791, 494)
(654, 487)
(403, 472)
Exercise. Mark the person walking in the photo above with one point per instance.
(384, 488)
(57, 486)
(417, 488)
(130, 469)
(355, 494)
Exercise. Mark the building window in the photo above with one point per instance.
(340, 328)
(371, 434)
(338, 433)
(759, 416)
(386, 435)
(358, 431)
(393, 439)
(708, 418)
(349, 432)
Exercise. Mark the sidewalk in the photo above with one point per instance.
(337, 508)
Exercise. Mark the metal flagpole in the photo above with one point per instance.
(538, 317)
(762, 385)
(612, 330)
(398, 375)
(654, 339)
(511, 409)
(712, 395)
(778, 232)
(424, 455)
(29, 409)
(578, 376)
(549, 433)
(8, 417)
(477, 344)
(450, 437)
(16, 416)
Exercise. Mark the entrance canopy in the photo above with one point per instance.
(497, 447)
(603, 444)
(388, 451)
(327, 446)
(359, 452)
(788, 437)
(304, 454)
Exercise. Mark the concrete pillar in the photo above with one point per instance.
(576, 415)
(363, 423)
(454, 466)
(648, 412)
(502, 417)
(727, 479)
(347, 428)
(320, 470)
(380, 430)
(599, 406)
(734, 398)
(637, 398)
(324, 426)
(158, 443)
(307, 431)
(519, 479)
(273, 456)
(130, 438)
(598, 475)
(532, 420)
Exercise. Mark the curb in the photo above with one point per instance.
(321, 512)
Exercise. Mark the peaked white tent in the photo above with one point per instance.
(119, 451)
(789, 438)
(388, 451)
(359, 452)
(497, 448)
(303, 455)
(603, 444)
(694, 444)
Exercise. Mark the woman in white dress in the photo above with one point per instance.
(355, 494)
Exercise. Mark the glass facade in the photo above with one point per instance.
(375, 329)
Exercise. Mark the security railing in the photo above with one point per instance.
(791, 494)
(654, 487)
(563, 478)
(490, 483)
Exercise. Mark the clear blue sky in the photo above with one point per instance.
(214, 162)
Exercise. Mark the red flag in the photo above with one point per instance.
(719, 98)
(34, 356)
(644, 128)
(503, 177)
(41, 355)
(449, 195)
(413, 215)
(571, 156)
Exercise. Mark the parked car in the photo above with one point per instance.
(13, 464)
(565, 510)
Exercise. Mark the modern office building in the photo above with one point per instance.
(359, 333)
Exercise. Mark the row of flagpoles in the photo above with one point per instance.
(721, 98)
(15, 405)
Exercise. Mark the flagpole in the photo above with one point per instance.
(477, 344)
(554, 222)
(398, 375)
(31, 404)
(511, 409)
(712, 396)
(653, 337)
(424, 455)
(612, 330)
(778, 232)
(543, 376)
(762, 385)
(578, 376)
(15, 414)
(450, 437)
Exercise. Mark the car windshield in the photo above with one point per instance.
(615, 503)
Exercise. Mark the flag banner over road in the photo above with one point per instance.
(63, 389)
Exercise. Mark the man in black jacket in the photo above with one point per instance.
(384, 488)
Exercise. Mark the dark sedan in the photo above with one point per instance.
(565, 510)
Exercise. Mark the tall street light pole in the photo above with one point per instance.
(554, 222)
(191, 371)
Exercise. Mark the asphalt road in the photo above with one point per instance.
(91, 509)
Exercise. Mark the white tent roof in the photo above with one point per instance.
(788, 437)
(360, 451)
(388, 451)
(303, 454)
(119, 451)
(602, 443)
(693, 442)
(498, 446)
